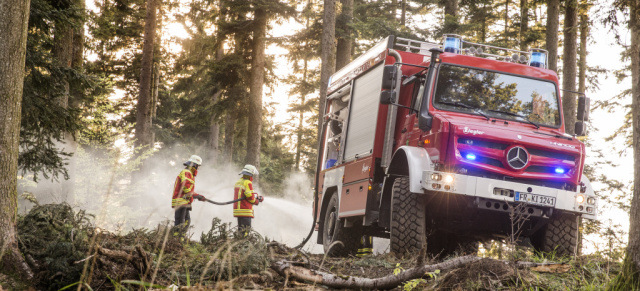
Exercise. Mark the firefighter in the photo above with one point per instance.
(366, 246)
(183, 194)
(243, 209)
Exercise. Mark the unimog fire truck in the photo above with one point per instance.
(444, 145)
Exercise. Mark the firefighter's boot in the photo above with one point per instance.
(366, 246)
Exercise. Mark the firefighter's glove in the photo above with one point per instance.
(199, 197)
(260, 198)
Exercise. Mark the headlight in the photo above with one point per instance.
(448, 179)
(436, 177)
(591, 200)
(580, 199)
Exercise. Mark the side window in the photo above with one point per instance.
(418, 92)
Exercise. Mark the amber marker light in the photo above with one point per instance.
(427, 141)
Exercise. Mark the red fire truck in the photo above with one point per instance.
(444, 144)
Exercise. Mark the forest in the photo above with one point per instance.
(102, 102)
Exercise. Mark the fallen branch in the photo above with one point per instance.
(286, 269)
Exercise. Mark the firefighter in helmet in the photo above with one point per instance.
(243, 189)
(183, 194)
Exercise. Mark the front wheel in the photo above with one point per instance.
(408, 222)
(333, 230)
(559, 236)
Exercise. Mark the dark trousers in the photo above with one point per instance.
(182, 217)
(244, 224)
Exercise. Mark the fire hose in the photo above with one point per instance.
(201, 198)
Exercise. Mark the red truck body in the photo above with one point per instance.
(476, 149)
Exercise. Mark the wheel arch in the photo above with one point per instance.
(406, 161)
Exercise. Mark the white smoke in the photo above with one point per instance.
(121, 200)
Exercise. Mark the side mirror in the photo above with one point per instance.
(581, 128)
(388, 97)
(389, 77)
(584, 106)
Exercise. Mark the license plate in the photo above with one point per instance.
(535, 199)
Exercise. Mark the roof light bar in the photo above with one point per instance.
(535, 57)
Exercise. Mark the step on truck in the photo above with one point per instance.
(447, 145)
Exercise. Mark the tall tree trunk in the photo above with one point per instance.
(229, 135)
(506, 21)
(403, 16)
(569, 64)
(143, 109)
(254, 132)
(553, 23)
(582, 64)
(214, 126)
(345, 38)
(13, 42)
(524, 25)
(301, 117)
(327, 57)
(629, 278)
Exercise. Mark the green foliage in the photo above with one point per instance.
(55, 236)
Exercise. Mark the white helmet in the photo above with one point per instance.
(249, 170)
(193, 160)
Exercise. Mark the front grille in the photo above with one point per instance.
(487, 153)
(482, 143)
(553, 155)
(541, 169)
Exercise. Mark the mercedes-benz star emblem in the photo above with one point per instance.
(517, 157)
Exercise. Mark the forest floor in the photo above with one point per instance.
(65, 250)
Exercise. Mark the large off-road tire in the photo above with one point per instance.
(408, 222)
(333, 230)
(559, 236)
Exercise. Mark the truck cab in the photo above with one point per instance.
(445, 145)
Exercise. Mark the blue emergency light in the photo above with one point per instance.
(538, 59)
(559, 171)
(471, 157)
(452, 44)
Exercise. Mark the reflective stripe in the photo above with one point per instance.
(243, 212)
(179, 201)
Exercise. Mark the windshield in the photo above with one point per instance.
(495, 94)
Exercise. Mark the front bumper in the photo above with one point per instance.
(583, 202)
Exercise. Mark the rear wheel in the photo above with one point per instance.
(559, 236)
(333, 230)
(408, 222)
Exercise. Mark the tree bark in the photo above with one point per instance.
(582, 65)
(327, 57)
(403, 16)
(506, 20)
(569, 64)
(553, 20)
(13, 42)
(254, 132)
(345, 37)
(632, 260)
(524, 25)
(451, 7)
(143, 128)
